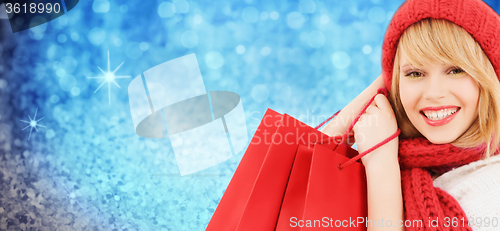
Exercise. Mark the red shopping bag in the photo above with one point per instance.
(336, 198)
(327, 186)
(314, 185)
(232, 204)
(255, 198)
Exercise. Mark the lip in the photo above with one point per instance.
(442, 121)
(437, 108)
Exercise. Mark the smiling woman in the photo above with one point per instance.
(440, 101)
(440, 62)
(439, 70)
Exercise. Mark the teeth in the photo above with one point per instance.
(439, 115)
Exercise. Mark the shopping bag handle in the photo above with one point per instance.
(381, 90)
(331, 117)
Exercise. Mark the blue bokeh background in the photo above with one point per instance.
(88, 170)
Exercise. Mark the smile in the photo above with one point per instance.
(437, 116)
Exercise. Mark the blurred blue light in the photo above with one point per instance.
(292, 56)
(166, 10)
(214, 60)
(100, 6)
(295, 20)
(250, 15)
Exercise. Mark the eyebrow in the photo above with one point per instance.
(406, 66)
(411, 67)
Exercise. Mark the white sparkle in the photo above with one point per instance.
(33, 123)
(109, 77)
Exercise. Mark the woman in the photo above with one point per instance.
(441, 63)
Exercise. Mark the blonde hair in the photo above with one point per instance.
(438, 40)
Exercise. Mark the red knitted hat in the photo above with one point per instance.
(475, 16)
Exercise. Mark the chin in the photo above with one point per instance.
(440, 139)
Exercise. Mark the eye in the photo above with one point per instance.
(414, 74)
(456, 70)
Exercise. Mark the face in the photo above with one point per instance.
(441, 100)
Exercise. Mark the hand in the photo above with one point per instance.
(375, 125)
(338, 125)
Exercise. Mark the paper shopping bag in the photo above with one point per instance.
(294, 200)
(267, 189)
(336, 198)
(254, 196)
(327, 186)
(292, 207)
(232, 204)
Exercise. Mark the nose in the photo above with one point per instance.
(435, 88)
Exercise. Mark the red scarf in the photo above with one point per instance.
(422, 201)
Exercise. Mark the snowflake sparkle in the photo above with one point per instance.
(33, 123)
(109, 77)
